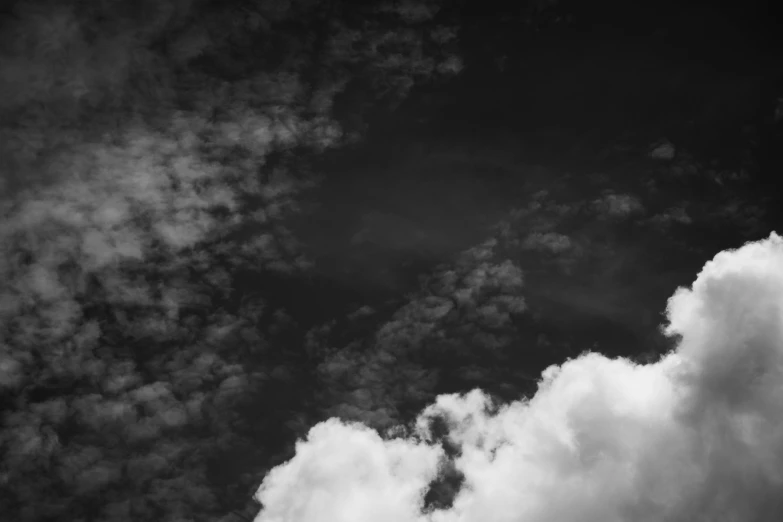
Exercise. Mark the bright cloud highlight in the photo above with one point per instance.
(696, 436)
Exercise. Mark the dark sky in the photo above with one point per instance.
(521, 284)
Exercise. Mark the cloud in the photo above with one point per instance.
(696, 435)
(347, 472)
(551, 241)
(618, 205)
(126, 251)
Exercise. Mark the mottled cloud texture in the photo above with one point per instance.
(695, 436)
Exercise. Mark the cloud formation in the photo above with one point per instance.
(696, 435)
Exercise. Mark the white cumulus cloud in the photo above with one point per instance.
(695, 436)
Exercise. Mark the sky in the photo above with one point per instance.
(696, 435)
(167, 333)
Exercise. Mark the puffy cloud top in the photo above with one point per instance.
(695, 436)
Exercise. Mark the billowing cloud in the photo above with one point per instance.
(696, 435)
(349, 473)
